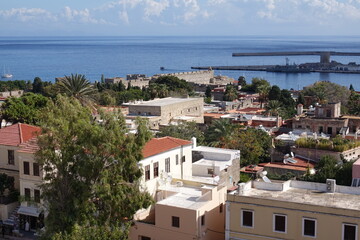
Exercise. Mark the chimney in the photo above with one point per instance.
(193, 140)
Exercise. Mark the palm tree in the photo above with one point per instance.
(76, 86)
(220, 132)
(230, 93)
(273, 107)
(263, 91)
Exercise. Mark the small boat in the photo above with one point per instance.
(6, 75)
(162, 68)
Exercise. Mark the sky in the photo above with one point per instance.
(179, 17)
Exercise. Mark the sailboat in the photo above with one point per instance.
(6, 75)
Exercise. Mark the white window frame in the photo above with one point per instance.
(303, 227)
(253, 218)
(349, 224)
(274, 222)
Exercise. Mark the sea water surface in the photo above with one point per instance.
(51, 57)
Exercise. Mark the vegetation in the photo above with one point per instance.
(15, 85)
(354, 103)
(326, 92)
(220, 133)
(230, 93)
(6, 183)
(329, 168)
(25, 109)
(91, 185)
(184, 130)
(337, 144)
(76, 86)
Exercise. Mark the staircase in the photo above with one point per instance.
(13, 219)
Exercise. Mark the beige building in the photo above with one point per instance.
(293, 210)
(166, 110)
(189, 185)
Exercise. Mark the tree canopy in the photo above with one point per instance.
(25, 109)
(184, 130)
(91, 174)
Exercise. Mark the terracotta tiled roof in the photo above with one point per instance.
(159, 145)
(30, 146)
(18, 133)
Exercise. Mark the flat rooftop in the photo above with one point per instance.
(163, 101)
(184, 197)
(215, 150)
(309, 193)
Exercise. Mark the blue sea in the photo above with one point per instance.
(51, 57)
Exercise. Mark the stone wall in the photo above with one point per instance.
(199, 77)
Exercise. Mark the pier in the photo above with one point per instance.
(324, 55)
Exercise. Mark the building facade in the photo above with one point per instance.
(293, 210)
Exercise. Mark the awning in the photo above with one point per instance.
(29, 211)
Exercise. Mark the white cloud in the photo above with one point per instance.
(155, 8)
(82, 16)
(28, 14)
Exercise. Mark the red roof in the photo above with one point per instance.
(18, 133)
(30, 146)
(159, 145)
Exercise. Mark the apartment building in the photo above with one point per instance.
(189, 198)
(293, 210)
(10, 139)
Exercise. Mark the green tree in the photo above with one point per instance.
(328, 92)
(351, 88)
(184, 130)
(38, 86)
(301, 99)
(25, 109)
(106, 98)
(91, 173)
(273, 107)
(174, 84)
(354, 103)
(274, 93)
(263, 91)
(76, 86)
(230, 93)
(242, 81)
(220, 132)
(208, 92)
(254, 145)
(6, 183)
(326, 169)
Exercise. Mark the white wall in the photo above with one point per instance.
(175, 170)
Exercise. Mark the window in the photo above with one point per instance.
(175, 221)
(349, 231)
(279, 223)
(11, 158)
(177, 159)
(221, 208)
(309, 227)
(27, 168)
(147, 172)
(156, 169)
(183, 158)
(203, 220)
(144, 238)
(247, 218)
(36, 169)
(167, 164)
(37, 195)
(27, 194)
(210, 171)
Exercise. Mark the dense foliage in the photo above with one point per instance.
(25, 109)
(184, 130)
(91, 174)
(337, 144)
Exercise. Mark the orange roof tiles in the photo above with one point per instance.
(30, 146)
(18, 133)
(160, 145)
